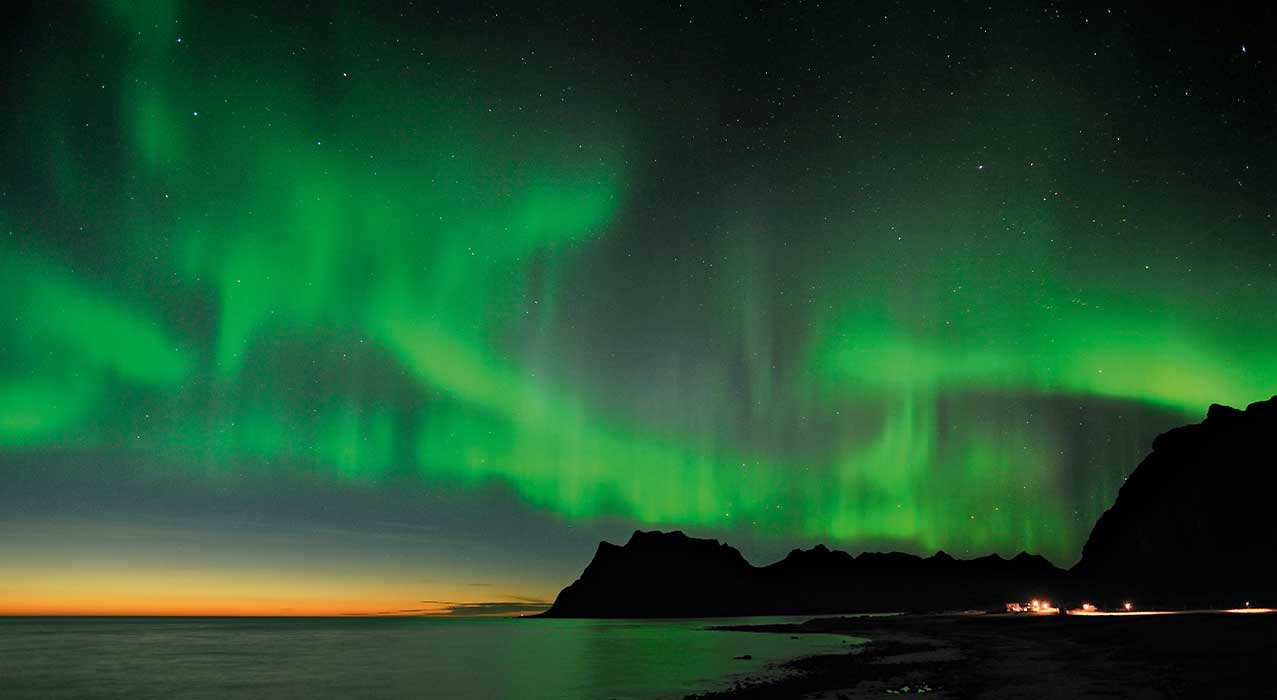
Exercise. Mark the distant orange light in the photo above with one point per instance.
(1088, 607)
(1127, 606)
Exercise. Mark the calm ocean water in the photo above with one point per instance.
(470, 659)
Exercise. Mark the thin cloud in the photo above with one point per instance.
(523, 599)
(383, 613)
(486, 609)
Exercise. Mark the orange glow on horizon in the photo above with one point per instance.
(213, 607)
(119, 592)
(186, 608)
(76, 567)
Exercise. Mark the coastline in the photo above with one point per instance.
(1015, 656)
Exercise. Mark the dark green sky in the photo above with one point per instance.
(433, 297)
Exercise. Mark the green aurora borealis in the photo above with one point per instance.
(836, 284)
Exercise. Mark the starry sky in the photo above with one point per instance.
(324, 309)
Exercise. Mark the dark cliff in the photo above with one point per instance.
(1194, 523)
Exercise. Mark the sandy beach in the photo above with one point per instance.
(1190, 655)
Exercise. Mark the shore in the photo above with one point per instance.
(1190, 655)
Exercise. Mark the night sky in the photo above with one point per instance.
(328, 309)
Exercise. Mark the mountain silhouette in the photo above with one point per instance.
(668, 574)
(1192, 526)
(1194, 523)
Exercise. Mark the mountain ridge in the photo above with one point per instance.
(1188, 527)
(670, 574)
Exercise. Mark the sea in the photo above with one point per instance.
(444, 659)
